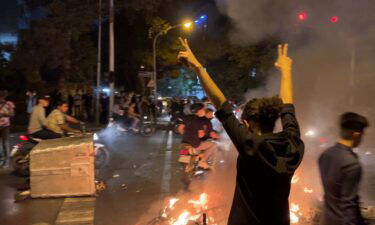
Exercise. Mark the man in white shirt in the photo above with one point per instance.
(37, 121)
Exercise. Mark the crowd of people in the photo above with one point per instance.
(266, 161)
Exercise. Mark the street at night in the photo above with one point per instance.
(143, 174)
(187, 112)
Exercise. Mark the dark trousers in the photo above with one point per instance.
(4, 135)
(46, 134)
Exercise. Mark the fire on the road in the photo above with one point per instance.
(193, 211)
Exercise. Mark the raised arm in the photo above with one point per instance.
(284, 64)
(212, 90)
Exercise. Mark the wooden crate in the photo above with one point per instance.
(62, 167)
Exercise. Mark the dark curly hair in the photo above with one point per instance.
(196, 107)
(263, 112)
(351, 122)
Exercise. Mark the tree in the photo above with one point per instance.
(62, 44)
(58, 46)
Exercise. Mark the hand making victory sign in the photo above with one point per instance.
(188, 55)
(284, 64)
(212, 91)
(256, 143)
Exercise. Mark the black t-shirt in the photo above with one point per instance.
(193, 124)
(341, 171)
(265, 167)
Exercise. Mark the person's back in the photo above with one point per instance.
(192, 125)
(37, 119)
(266, 161)
(145, 107)
(340, 170)
(265, 166)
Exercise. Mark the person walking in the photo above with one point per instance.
(6, 112)
(30, 101)
(341, 171)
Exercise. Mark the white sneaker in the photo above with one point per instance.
(203, 165)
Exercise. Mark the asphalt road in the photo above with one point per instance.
(142, 176)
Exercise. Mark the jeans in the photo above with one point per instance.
(45, 134)
(4, 135)
(210, 151)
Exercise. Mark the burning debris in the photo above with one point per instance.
(193, 212)
(304, 206)
(294, 216)
(100, 185)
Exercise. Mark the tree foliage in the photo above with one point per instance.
(62, 44)
(59, 44)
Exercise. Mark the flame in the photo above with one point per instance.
(201, 203)
(306, 190)
(293, 218)
(294, 208)
(295, 178)
(172, 202)
(183, 219)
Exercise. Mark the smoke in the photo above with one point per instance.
(218, 185)
(333, 65)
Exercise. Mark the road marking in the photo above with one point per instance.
(76, 211)
(169, 142)
(167, 171)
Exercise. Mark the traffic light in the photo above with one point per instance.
(334, 19)
(302, 16)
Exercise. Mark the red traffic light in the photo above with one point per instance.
(334, 19)
(302, 16)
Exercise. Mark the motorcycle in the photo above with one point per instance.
(189, 159)
(175, 122)
(20, 153)
(145, 127)
(20, 160)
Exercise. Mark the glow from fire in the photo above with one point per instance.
(294, 208)
(201, 203)
(183, 219)
(306, 190)
(295, 178)
(172, 202)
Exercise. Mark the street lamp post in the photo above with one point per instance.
(163, 32)
(111, 57)
(98, 72)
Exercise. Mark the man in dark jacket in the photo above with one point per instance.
(267, 160)
(341, 171)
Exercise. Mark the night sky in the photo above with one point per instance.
(8, 16)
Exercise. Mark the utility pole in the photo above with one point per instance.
(111, 56)
(99, 65)
(352, 75)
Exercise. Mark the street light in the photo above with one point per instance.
(186, 25)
